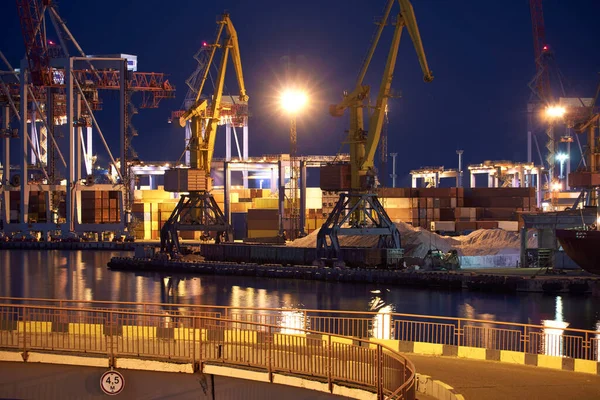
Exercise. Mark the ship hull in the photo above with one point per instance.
(581, 246)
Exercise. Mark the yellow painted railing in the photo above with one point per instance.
(199, 336)
(551, 339)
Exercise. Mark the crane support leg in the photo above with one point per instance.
(197, 211)
(342, 221)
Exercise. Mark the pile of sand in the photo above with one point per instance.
(417, 241)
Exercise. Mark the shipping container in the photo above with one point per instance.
(462, 226)
(487, 224)
(396, 202)
(443, 226)
(262, 233)
(185, 180)
(239, 224)
(394, 192)
(335, 177)
(511, 226)
(499, 214)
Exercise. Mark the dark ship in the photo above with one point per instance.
(582, 246)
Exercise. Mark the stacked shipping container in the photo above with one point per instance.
(100, 207)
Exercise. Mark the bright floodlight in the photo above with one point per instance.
(293, 101)
(555, 111)
(562, 157)
(556, 186)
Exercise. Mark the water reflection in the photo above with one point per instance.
(83, 275)
(292, 322)
(552, 342)
(382, 321)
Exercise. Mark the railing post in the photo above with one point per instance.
(305, 324)
(194, 342)
(379, 372)
(459, 338)
(25, 317)
(587, 348)
(200, 352)
(270, 353)
(109, 340)
(525, 339)
(329, 367)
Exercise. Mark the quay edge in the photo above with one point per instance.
(455, 280)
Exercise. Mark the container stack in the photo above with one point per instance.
(37, 206)
(100, 207)
(263, 223)
(458, 209)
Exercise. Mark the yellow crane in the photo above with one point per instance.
(197, 210)
(359, 212)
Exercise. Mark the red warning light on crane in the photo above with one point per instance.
(50, 42)
(204, 44)
(545, 48)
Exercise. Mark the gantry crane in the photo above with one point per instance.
(61, 83)
(197, 209)
(359, 211)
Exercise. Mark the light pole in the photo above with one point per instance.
(460, 172)
(292, 102)
(393, 175)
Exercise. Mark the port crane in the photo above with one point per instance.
(359, 211)
(197, 209)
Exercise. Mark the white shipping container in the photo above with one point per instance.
(396, 202)
(511, 226)
(443, 226)
(313, 204)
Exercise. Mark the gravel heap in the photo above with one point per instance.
(417, 241)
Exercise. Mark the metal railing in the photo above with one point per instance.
(551, 339)
(202, 337)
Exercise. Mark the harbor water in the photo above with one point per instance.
(83, 275)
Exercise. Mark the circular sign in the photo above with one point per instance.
(112, 382)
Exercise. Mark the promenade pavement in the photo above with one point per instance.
(490, 380)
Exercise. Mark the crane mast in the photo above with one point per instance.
(197, 210)
(359, 212)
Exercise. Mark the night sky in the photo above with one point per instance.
(481, 54)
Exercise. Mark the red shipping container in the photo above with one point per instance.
(487, 224)
(465, 226)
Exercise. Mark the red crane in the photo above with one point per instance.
(31, 14)
(541, 51)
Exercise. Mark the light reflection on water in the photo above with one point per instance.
(83, 275)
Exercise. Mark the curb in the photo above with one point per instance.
(503, 356)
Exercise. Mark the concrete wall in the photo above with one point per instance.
(48, 382)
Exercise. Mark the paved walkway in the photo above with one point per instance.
(489, 380)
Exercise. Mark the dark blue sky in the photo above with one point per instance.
(481, 54)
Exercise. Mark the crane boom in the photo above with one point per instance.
(233, 45)
(359, 211)
(406, 18)
(363, 144)
(202, 146)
